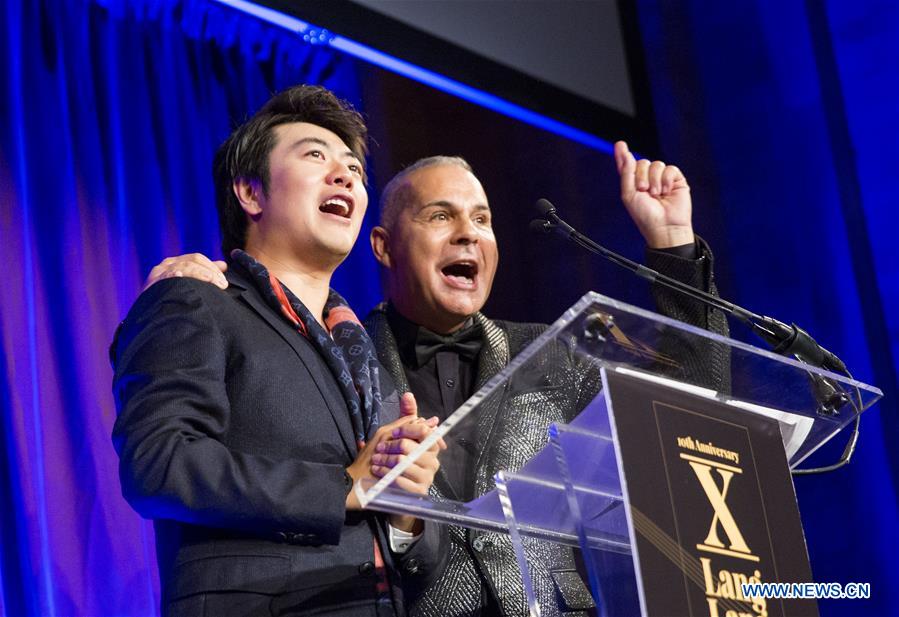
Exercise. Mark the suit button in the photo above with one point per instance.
(366, 568)
(478, 544)
(296, 538)
(412, 566)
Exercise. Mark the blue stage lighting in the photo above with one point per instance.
(318, 36)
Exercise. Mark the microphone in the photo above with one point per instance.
(785, 340)
(544, 207)
(550, 221)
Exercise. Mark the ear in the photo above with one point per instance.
(247, 192)
(380, 245)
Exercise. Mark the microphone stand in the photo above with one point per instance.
(785, 340)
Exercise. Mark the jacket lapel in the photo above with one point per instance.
(307, 355)
(493, 358)
(386, 347)
(389, 355)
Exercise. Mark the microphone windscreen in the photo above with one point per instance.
(544, 207)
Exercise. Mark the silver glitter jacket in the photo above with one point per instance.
(481, 563)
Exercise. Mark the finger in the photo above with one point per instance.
(388, 428)
(641, 175)
(655, 177)
(397, 446)
(197, 258)
(219, 268)
(411, 487)
(160, 273)
(627, 166)
(156, 274)
(416, 431)
(434, 422)
(200, 272)
(421, 474)
(383, 434)
(214, 269)
(672, 178)
(387, 460)
(408, 405)
(622, 152)
(193, 265)
(427, 461)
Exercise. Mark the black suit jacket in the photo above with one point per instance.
(234, 437)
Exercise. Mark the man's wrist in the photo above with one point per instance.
(408, 524)
(351, 501)
(401, 541)
(668, 237)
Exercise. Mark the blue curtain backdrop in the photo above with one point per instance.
(783, 114)
(110, 114)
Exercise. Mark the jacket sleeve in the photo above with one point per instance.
(170, 360)
(424, 561)
(705, 363)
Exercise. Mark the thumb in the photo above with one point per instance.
(408, 405)
(627, 168)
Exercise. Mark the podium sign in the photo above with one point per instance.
(659, 450)
(711, 500)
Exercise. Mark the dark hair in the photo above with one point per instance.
(246, 152)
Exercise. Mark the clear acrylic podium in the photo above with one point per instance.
(571, 491)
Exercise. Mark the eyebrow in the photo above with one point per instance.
(321, 142)
(442, 203)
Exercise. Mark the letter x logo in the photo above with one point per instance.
(723, 517)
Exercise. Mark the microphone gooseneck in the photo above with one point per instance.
(786, 340)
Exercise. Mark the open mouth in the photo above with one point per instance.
(462, 273)
(338, 206)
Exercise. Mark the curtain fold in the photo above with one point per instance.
(111, 113)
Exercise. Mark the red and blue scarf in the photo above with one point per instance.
(345, 346)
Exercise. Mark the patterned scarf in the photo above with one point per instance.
(345, 347)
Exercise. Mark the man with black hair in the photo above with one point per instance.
(245, 417)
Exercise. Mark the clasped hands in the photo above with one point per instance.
(391, 444)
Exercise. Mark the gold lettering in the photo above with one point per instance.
(707, 575)
(722, 513)
(713, 607)
(726, 588)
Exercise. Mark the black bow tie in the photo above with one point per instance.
(465, 342)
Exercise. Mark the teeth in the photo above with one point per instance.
(461, 269)
(339, 203)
